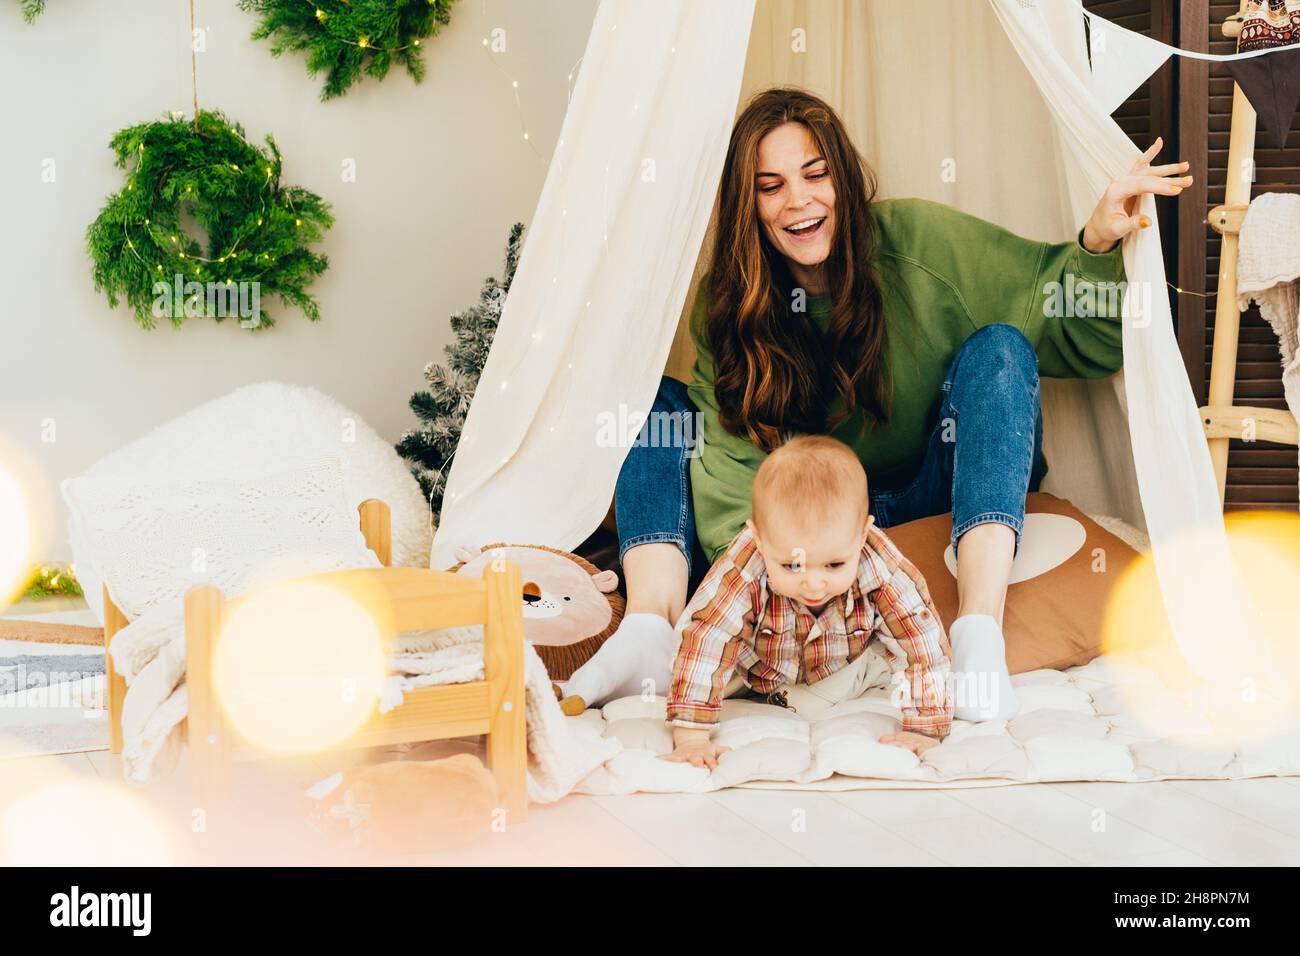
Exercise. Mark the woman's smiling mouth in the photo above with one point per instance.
(805, 229)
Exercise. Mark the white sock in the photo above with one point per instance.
(982, 685)
(642, 649)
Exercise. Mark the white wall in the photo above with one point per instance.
(442, 170)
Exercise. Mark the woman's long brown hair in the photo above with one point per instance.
(775, 372)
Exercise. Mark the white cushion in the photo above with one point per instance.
(1061, 732)
(153, 536)
(257, 426)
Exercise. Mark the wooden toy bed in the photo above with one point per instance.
(419, 599)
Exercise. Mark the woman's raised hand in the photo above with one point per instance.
(1116, 214)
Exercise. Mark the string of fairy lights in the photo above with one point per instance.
(538, 333)
(363, 42)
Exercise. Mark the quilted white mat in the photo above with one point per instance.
(1113, 719)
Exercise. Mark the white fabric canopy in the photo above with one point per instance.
(612, 247)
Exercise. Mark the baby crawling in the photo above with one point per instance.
(810, 605)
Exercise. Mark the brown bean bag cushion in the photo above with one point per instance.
(1066, 570)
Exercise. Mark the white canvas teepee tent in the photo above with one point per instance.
(1003, 90)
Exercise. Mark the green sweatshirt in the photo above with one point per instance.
(944, 274)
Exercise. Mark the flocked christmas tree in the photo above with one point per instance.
(442, 408)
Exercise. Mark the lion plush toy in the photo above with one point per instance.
(570, 606)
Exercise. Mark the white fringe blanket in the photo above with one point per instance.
(1268, 271)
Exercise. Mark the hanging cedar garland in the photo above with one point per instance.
(259, 231)
(344, 38)
(205, 173)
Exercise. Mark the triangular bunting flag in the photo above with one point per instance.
(1272, 84)
(1121, 61)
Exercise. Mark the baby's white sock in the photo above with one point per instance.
(642, 649)
(982, 685)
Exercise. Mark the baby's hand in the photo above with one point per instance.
(694, 747)
(917, 743)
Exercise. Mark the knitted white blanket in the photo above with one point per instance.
(1268, 271)
(158, 701)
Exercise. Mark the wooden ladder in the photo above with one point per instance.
(1222, 419)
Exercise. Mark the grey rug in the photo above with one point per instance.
(23, 671)
(51, 700)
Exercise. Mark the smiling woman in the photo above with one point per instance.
(799, 234)
(789, 158)
(910, 331)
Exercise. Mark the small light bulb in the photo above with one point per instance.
(363, 42)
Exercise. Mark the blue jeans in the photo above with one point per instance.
(983, 456)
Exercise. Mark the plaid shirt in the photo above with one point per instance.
(735, 622)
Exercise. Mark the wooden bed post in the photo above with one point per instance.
(114, 684)
(209, 742)
(503, 669)
(377, 529)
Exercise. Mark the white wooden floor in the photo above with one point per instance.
(1244, 823)
(1251, 822)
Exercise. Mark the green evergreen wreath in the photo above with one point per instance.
(205, 173)
(32, 9)
(345, 37)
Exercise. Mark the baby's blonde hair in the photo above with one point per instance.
(814, 476)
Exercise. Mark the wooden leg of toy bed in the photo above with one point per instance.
(503, 668)
(209, 742)
(377, 528)
(114, 685)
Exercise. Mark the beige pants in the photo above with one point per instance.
(869, 669)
